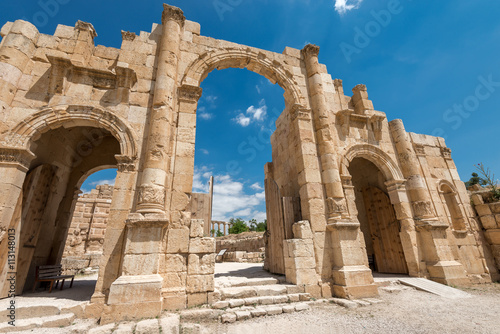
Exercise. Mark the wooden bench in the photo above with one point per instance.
(50, 274)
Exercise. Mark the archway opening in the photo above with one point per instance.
(233, 143)
(64, 157)
(377, 218)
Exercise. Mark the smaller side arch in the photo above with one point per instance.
(453, 207)
(71, 116)
(373, 154)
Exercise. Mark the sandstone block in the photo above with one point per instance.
(273, 310)
(175, 263)
(196, 230)
(302, 230)
(200, 283)
(228, 318)
(178, 240)
(202, 245)
(488, 222)
(236, 302)
(483, 209)
(243, 315)
(148, 326)
(258, 312)
(196, 299)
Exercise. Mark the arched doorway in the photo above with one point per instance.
(50, 191)
(377, 218)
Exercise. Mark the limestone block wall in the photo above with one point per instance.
(243, 247)
(488, 214)
(84, 244)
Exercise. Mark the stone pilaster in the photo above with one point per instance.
(152, 191)
(439, 259)
(335, 201)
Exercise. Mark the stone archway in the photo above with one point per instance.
(90, 138)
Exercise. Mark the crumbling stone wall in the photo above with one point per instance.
(243, 247)
(84, 244)
(488, 214)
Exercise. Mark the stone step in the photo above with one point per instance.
(61, 320)
(246, 312)
(259, 291)
(434, 287)
(32, 312)
(249, 282)
(261, 300)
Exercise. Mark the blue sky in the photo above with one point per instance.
(434, 64)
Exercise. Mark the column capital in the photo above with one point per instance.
(14, 155)
(190, 93)
(172, 13)
(310, 50)
(125, 163)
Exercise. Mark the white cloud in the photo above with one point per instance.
(211, 100)
(343, 6)
(102, 182)
(204, 151)
(252, 114)
(205, 115)
(230, 198)
(242, 120)
(258, 88)
(256, 186)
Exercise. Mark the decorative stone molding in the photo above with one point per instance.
(340, 225)
(128, 36)
(348, 118)
(346, 181)
(430, 225)
(419, 149)
(173, 13)
(63, 69)
(446, 153)
(299, 112)
(188, 93)
(336, 206)
(125, 163)
(17, 156)
(395, 185)
(310, 50)
(151, 195)
(85, 26)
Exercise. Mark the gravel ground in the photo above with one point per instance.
(408, 311)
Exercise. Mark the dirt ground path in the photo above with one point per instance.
(408, 311)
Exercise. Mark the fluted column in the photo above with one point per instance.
(336, 205)
(157, 160)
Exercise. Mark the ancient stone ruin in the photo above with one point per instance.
(347, 192)
(84, 244)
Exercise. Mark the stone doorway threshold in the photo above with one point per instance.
(244, 274)
(419, 283)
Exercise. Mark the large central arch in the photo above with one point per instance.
(259, 62)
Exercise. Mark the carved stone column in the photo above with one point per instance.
(14, 164)
(335, 201)
(439, 259)
(151, 198)
(351, 276)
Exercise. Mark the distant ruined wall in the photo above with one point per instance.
(244, 247)
(488, 213)
(84, 245)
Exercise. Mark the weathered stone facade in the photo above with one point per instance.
(69, 108)
(84, 244)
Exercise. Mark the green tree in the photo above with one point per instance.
(489, 180)
(262, 226)
(253, 225)
(219, 234)
(238, 226)
(475, 179)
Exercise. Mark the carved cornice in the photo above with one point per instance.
(310, 50)
(85, 26)
(172, 13)
(128, 36)
(62, 68)
(17, 156)
(299, 112)
(446, 152)
(151, 196)
(419, 149)
(188, 93)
